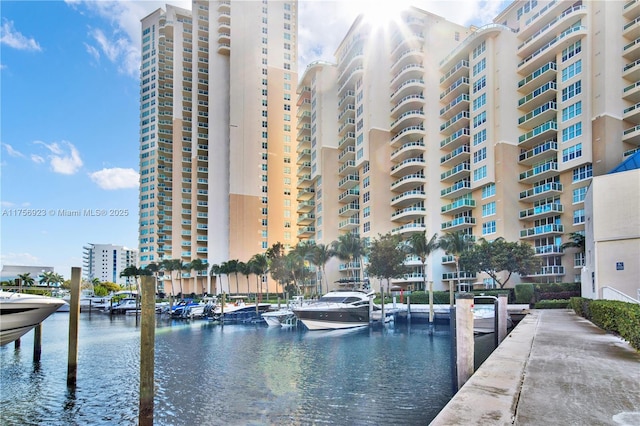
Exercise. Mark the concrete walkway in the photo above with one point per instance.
(554, 368)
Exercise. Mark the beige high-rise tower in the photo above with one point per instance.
(217, 141)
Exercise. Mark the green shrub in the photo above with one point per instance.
(556, 287)
(552, 304)
(524, 293)
(617, 317)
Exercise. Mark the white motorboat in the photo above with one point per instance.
(20, 312)
(238, 307)
(284, 316)
(337, 309)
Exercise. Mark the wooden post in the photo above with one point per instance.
(430, 302)
(74, 315)
(409, 307)
(382, 318)
(37, 343)
(464, 337)
(147, 351)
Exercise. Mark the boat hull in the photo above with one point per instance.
(20, 313)
(334, 318)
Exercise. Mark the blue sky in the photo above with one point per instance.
(69, 115)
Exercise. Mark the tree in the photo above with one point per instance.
(153, 269)
(135, 272)
(386, 258)
(260, 266)
(26, 279)
(421, 248)
(275, 254)
(171, 265)
(349, 248)
(493, 257)
(198, 265)
(215, 272)
(244, 269)
(319, 255)
(577, 240)
(232, 268)
(455, 243)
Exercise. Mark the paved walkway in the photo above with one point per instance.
(554, 368)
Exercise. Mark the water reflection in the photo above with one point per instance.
(230, 375)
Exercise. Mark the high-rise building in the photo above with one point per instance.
(493, 131)
(217, 133)
(107, 261)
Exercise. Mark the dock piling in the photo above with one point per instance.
(147, 350)
(464, 337)
(37, 343)
(74, 315)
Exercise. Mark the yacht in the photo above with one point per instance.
(238, 306)
(283, 317)
(20, 312)
(337, 309)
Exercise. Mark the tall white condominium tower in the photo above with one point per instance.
(492, 131)
(217, 141)
(106, 261)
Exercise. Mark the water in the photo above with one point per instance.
(233, 375)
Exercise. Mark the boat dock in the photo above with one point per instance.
(554, 367)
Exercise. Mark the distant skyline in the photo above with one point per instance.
(69, 124)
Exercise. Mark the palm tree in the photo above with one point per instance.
(349, 248)
(244, 269)
(577, 240)
(455, 243)
(171, 265)
(131, 271)
(260, 266)
(421, 248)
(232, 267)
(47, 278)
(215, 272)
(26, 279)
(319, 256)
(225, 269)
(153, 268)
(275, 254)
(198, 265)
(294, 263)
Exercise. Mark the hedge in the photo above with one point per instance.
(524, 293)
(618, 317)
(552, 304)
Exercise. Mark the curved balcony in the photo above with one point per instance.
(458, 206)
(410, 102)
(408, 134)
(461, 69)
(455, 106)
(354, 63)
(348, 126)
(347, 167)
(539, 153)
(305, 194)
(548, 271)
(411, 40)
(306, 219)
(349, 209)
(541, 231)
(408, 72)
(348, 111)
(408, 182)
(304, 156)
(304, 181)
(548, 52)
(456, 190)
(409, 149)
(458, 87)
(548, 250)
(463, 49)
(349, 181)
(539, 212)
(458, 223)
(349, 195)
(409, 118)
(631, 72)
(347, 139)
(306, 206)
(409, 228)
(407, 57)
(631, 9)
(462, 153)
(306, 231)
(349, 153)
(541, 114)
(539, 172)
(460, 171)
(408, 198)
(631, 30)
(550, 189)
(632, 114)
(349, 83)
(545, 93)
(455, 123)
(408, 214)
(545, 34)
(408, 87)
(545, 131)
(539, 77)
(348, 96)
(349, 224)
(456, 140)
(408, 166)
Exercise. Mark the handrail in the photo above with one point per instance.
(618, 295)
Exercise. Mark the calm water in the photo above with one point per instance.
(208, 374)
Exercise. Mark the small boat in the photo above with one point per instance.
(484, 319)
(283, 317)
(20, 312)
(337, 309)
(128, 305)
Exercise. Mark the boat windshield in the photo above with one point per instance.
(337, 299)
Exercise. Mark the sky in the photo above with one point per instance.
(69, 114)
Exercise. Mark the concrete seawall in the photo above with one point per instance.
(553, 368)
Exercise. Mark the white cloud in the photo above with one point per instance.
(37, 159)
(13, 38)
(116, 178)
(7, 204)
(12, 151)
(63, 162)
(92, 51)
(19, 259)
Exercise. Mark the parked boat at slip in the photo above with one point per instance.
(336, 310)
(284, 317)
(20, 312)
(236, 308)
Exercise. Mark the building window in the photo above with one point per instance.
(366, 227)
(571, 90)
(489, 227)
(489, 209)
(489, 190)
(578, 260)
(572, 111)
(572, 70)
(478, 50)
(366, 211)
(480, 173)
(480, 119)
(572, 132)
(582, 173)
(365, 197)
(480, 155)
(480, 137)
(572, 152)
(481, 83)
(479, 101)
(578, 216)
(480, 66)
(579, 194)
(572, 50)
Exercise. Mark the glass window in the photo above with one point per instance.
(572, 152)
(489, 227)
(572, 111)
(579, 194)
(572, 132)
(489, 190)
(582, 173)
(480, 173)
(572, 70)
(489, 209)
(480, 137)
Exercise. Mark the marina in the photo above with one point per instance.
(210, 373)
